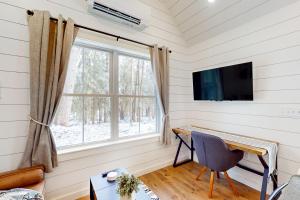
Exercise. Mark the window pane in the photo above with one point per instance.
(135, 76)
(74, 80)
(136, 116)
(147, 82)
(97, 119)
(148, 115)
(128, 116)
(67, 124)
(96, 71)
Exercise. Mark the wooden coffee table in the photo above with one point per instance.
(101, 189)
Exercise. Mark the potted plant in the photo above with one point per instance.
(127, 186)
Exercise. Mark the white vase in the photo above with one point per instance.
(132, 197)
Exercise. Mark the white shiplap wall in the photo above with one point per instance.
(71, 178)
(272, 43)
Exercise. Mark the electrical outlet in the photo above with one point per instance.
(291, 112)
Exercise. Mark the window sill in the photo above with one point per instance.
(90, 149)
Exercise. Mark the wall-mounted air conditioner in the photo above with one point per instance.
(129, 12)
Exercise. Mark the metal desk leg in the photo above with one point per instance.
(190, 147)
(275, 176)
(177, 153)
(265, 176)
(264, 185)
(92, 197)
(192, 150)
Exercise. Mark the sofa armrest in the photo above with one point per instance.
(21, 178)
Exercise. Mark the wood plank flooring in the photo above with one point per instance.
(180, 184)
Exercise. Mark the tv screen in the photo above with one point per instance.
(226, 83)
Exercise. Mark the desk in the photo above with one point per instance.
(259, 152)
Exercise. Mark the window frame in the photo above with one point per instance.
(114, 95)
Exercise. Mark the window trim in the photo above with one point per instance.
(76, 152)
(114, 96)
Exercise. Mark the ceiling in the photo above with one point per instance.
(199, 20)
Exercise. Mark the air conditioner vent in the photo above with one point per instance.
(131, 13)
(116, 13)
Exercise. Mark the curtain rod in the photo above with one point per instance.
(30, 12)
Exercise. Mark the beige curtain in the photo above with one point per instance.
(160, 68)
(50, 46)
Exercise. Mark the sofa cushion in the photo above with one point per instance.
(20, 194)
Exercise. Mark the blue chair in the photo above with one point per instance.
(214, 154)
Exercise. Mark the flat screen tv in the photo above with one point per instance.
(230, 83)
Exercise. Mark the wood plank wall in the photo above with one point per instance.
(272, 43)
(71, 178)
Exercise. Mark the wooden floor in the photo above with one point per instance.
(180, 184)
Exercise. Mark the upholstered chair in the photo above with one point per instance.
(214, 154)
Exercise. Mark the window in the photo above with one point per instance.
(137, 102)
(108, 95)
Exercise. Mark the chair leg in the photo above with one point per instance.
(211, 183)
(218, 175)
(230, 182)
(201, 172)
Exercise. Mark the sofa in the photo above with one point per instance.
(30, 178)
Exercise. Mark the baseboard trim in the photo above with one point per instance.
(85, 191)
(153, 168)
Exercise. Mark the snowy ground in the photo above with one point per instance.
(72, 135)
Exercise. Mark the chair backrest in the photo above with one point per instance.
(210, 149)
